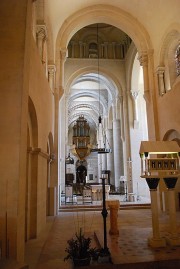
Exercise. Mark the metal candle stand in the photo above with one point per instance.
(126, 194)
(105, 254)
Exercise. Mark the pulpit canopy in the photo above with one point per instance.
(159, 147)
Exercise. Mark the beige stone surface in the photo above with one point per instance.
(30, 128)
(130, 247)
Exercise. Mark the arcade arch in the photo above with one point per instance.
(119, 100)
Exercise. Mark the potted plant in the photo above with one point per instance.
(79, 250)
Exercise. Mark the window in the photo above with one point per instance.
(90, 176)
(177, 60)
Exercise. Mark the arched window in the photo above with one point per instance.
(177, 60)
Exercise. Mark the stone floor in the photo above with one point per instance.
(130, 247)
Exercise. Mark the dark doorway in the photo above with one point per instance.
(81, 174)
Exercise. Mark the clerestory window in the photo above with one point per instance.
(177, 60)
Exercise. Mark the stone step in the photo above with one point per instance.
(75, 208)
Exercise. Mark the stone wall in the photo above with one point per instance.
(20, 76)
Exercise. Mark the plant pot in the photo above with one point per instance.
(81, 262)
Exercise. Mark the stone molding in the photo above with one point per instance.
(39, 151)
(41, 31)
(161, 80)
(143, 59)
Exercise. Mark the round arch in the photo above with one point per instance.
(167, 55)
(93, 120)
(33, 124)
(172, 34)
(102, 101)
(114, 82)
(31, 173)
(90, 106)
(172, 135)
(99, 14)
(104, 14)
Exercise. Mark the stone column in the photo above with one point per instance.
(51, 76)
(73, 49)
(114, 50)
(134, 95)
(102, 51)
(80, 49)
(143, 59)
(57, 92)
(161, 80)
(121, 117)
(110, 156)
(41, 35)
(117, 146)
(121, 48)
(106, 49)
(63, 57)
(54, 165)
(151, 104)
(84, 50)
(156, 240)
(174, 239)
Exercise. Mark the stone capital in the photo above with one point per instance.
(143, 59)
(38, 151)
(134, 94)
(41, 31)
(51, 69)
(160, 70)
(119, 98)
(63, 54)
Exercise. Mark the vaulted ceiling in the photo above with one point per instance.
(92, 93)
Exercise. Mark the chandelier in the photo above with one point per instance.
(100, 149)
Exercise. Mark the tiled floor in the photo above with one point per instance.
(135, 226)
(48, 251)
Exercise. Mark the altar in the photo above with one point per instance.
(97, 193)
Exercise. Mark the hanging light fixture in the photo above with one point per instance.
(69, 160)
(100, 150)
